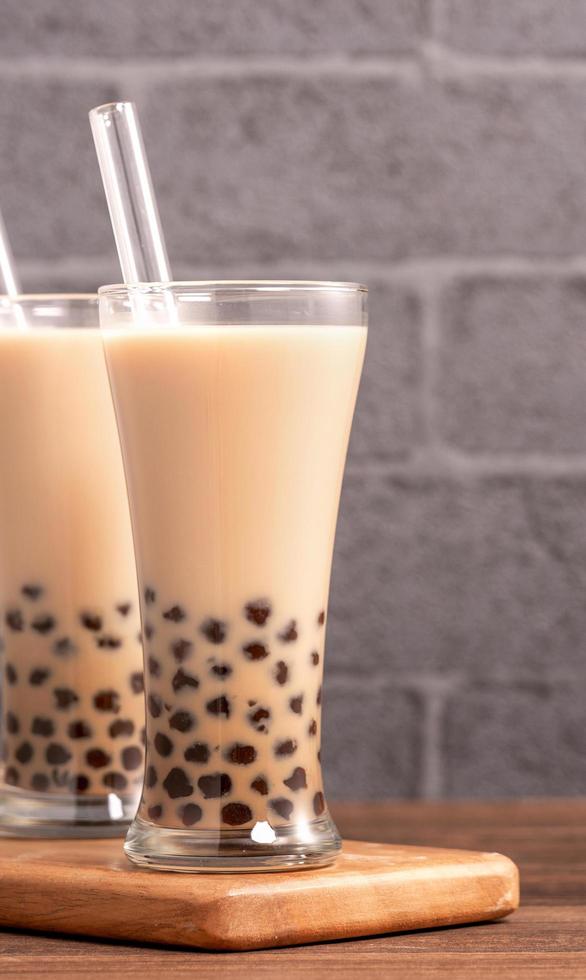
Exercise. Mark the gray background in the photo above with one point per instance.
(437, 151)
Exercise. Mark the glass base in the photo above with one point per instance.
(51, 815)
(263, 848)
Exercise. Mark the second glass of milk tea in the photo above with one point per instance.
(234, 404)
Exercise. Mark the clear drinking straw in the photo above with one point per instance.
(129, 193)
(9, 279)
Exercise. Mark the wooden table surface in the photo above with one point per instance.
(545, 938)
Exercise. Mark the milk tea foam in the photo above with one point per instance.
(73, 708)
(234, 440)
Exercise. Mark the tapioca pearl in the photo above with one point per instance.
(137, 682)
(321, 618)
(44, 623)
(289, 633)
(149, 631)
(221, 670)
(150, 596)
(154, 705)
(11, 776)
(40, 782)
(255, 651)
(236, 814)
(143, 735)
(286, 747)
(115, 780)
(297, 780)
(176, 614)
(14, 620)
(79, 729)
(154, 667)
(11, 674)
(97, 758)
(260, 785)
(151, 777)
(181, 649)
(259, 718)
(319, 695)
(56, 754)
(32, 591)
(219, 706)
(296, 704)
(176, 784)
(24, 752)
(91, 621)
(12, 723)
(42, 726)
(190, 814)
(198, 752)
(80, 783)
(131, 757)
(64, 647)
(319, 755)
(240, 754)
(124, 608)
(64, 698)
(121, 728)
(214, 630)
(314, 658)
(281, 672)
(257, 611)
(38, 676)
(214, 785)
(312, 727)
(109, 642)
(108, 700)
(163, 744)
(155, 812)
(182, 679)
(182, 721)
(282, 806)
(319, 804)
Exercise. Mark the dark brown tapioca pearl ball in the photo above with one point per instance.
(64, 698)
(137, 682)
(255, 651)
(155, 812)
(154, 667)
(14, 620)
(257, 611)
(109, 642)
(181, 649)
(321, 618)
(150, 595)
(121, 728)
(163, 744)
(182, 679)
(38, 676)
(221, 670)
(287, 747)
(155, 705)
(296, 704)
(318, 698)
(149, 631)
(319, 755)
(115, 780)
(79, 729)
(260, 785)
(42, 726)
(314, 658)
(219, 706)
(143, 735)
(12, 723)
(80, 783)
(124, 608)
(24, 753)
(289, 633)
(182, 721)
(97, 758)
(40, 782)
(281, 672)
(107, 701)
(131, 757)
(190, 814)
(64, 647)
(214, 785)
(241, 755)
(32, 591)
(151, 778)
(176, 614)
(91, 621)
(319, 804)
(214, 630)
(297, 780)
(258, 718)
(198, 752)
(57, 755)
(177, 784)
(11, 776)
(312, 727)
(282, 806)
(44, 624)
(11, 674)
(235, 814)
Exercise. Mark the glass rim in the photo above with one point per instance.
(326, 285)
(47, 298)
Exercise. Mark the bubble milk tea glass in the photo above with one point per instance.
(72, 713)
(234, 404)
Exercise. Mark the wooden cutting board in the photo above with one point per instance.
(90, 888)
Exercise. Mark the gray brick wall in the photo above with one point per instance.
(435, 149)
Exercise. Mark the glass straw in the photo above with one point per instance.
(9, 279)
(129, 193)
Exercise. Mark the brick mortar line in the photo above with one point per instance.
(440, 60)
(452, 465)
(428, 683)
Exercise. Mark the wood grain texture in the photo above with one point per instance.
(545, 938)
(89, 887)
